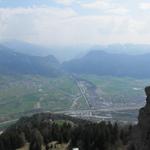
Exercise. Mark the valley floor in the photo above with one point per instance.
(86, 96)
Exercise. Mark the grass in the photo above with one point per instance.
(21, 93)
(118, 89)
(61, 122)
(6, 125)
(58, 147)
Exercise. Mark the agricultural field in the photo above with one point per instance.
(23, 94)
(26, 93)
(116, 91)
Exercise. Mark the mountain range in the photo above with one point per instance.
(30, 59)
(12, 62)
(62, 53)
(110, 64)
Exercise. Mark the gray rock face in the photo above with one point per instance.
(141, 132)
(147, 91)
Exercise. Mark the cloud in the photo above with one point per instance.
(64, 26)
(145, 6)
(105, 6)
(118, 10)
(27, 23)
(98, 4)
(65, 2)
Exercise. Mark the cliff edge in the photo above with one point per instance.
(141, 132)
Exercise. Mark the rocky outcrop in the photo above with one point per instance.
(141, 132)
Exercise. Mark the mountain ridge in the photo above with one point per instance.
(12, 62)
(104, 63)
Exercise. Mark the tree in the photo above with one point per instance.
(2, 145)
(36, 141)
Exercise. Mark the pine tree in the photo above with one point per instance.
(36, 141)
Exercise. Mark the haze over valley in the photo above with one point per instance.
(74, 75)
(98, 85)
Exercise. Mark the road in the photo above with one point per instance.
(75, 103)
(83, 92)
(10, 121)
(99, 110)
(86, 112)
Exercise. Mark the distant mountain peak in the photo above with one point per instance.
(110, 64)
(96, 52)
(17, 63)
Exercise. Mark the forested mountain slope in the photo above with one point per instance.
(17, 63)
(102, 63)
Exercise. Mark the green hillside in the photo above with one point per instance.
(26, 93)
(119, 89)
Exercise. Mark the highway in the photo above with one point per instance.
(98, 110)
(83, 92)
(86, 112)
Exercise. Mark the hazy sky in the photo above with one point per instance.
(75, 22)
